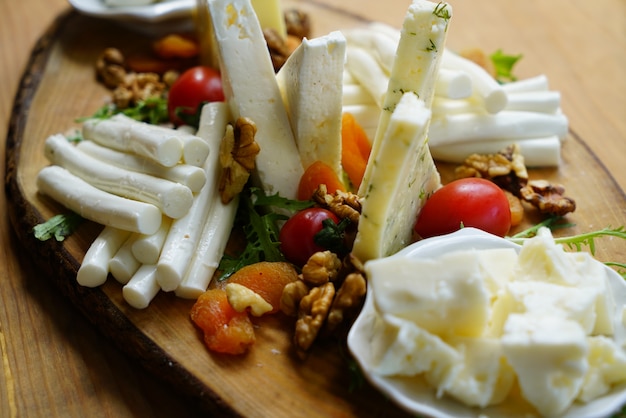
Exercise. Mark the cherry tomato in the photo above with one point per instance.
(298, 233)
(469, 202)
(194, 86)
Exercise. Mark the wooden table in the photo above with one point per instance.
(55, 364)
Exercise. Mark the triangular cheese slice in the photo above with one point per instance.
(401, 173)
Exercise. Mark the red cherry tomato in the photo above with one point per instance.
(298, 233)
(194, 86)
(469, 202)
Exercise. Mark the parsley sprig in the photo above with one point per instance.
(152, 110)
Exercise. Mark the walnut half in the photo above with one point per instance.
(548, 198)
(238, 152)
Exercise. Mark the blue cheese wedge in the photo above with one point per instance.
(251, 90)
(311, 84)
(401, 173)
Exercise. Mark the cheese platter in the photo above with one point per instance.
(57, 88)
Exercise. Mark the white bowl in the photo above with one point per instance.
(165, 16)
(417, 397)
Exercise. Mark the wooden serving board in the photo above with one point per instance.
(59, 86)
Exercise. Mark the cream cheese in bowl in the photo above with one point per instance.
(473, 325)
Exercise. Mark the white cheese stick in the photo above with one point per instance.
(142, 287)
(536, 83)
(403, 178)
(185, 174)
(453, 84)
(472, 127)
(537, 152)
(380, 45)
(366, 70)
(94, 268)
(124, 264)
(166, 148)
(443, 106)
(147, 248)
(356, 94)
(251, 90)
(416, 65)
(483, 84)
(310, 82)
(173, 199)
(385, 29)
(535, 101)
(184, 233)
(210, 249)
(80, 197)
(195, 150)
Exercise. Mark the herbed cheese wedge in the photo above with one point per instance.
(415, 67)
(311, 85)
(251, 89)
(401, 173)
(403, 178)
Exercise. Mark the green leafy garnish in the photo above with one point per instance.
(442, 11)
(58, 227)
(503, 64)
(332, 236)
(190, 118)
(259, 218)
(152, 110)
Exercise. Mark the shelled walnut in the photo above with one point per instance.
(507, 169)
(130, 88)
(326, 295)
(238, 152)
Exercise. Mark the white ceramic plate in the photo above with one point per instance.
(160, 17)
(416, 396)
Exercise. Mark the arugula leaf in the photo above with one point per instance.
(152, 110)
(504, 64)
(59, 226)
(260, 222)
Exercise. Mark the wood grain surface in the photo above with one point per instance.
(56, 363)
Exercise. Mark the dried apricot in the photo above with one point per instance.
(268, 279)
(225, 330)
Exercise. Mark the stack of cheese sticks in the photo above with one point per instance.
(155, 191)
(472, 112)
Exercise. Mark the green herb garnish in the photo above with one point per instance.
(58, 227)
(503, 64)
(152, 110)
(259, 216)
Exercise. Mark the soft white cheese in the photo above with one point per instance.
(446, 296)
(311, 85)
(549, 357)
(252, 91)
(497, 326)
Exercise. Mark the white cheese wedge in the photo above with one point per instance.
(446, 296)
(483, 377)
(398, 341)
(311, 83)
(549, 356)
(401, 174)
(251, 90)
(402, 178)
(607, 367)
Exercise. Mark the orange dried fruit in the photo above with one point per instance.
(225, 330)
